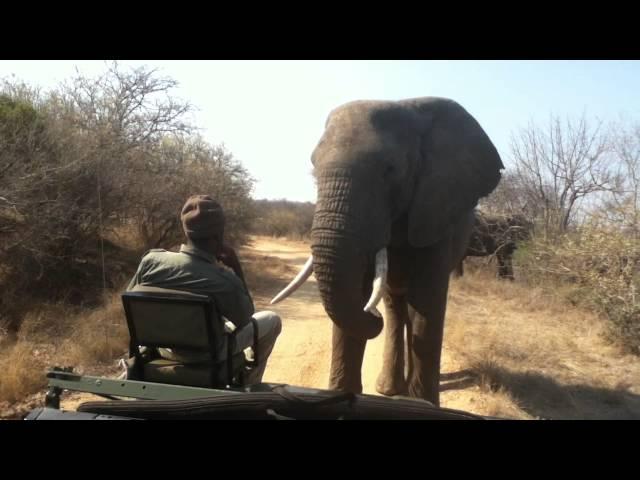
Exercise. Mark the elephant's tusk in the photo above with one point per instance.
(305, 273)
(379, 283)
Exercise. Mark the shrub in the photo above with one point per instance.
(595, 267)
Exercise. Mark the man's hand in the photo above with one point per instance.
(223, 266)
(227, 256)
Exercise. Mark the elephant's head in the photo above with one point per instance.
(399, 172)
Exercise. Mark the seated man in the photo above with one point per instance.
(202, 267)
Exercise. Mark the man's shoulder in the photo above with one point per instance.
(159, 254)
(153, 251)
(188, 263)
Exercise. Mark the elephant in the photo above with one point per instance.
(397, 184)
(499, 236)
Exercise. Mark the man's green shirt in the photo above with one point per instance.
(196, 271)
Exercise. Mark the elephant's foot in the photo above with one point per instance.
(343, 386)
(391, 385)
(431, 395)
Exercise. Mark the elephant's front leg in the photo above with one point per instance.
(427, 308)
(346, 362)
(391, 380)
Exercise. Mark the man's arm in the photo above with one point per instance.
(235, 302)
(238, 305)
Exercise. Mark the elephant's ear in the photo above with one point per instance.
(459, 165)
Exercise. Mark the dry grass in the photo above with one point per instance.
(22, 371)
(533, 356)
(56, 335)
(99, 337)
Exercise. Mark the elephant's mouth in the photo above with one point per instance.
(374, 284)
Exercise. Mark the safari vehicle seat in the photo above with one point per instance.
(187, 324)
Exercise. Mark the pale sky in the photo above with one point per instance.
(270, 114)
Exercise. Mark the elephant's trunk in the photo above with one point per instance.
(345, 238)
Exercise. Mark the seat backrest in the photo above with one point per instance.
(164, 318)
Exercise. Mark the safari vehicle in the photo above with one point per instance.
(152, 388)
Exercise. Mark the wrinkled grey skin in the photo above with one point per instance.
(404, 175)
(499, 236)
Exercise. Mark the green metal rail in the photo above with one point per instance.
(64, 379)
